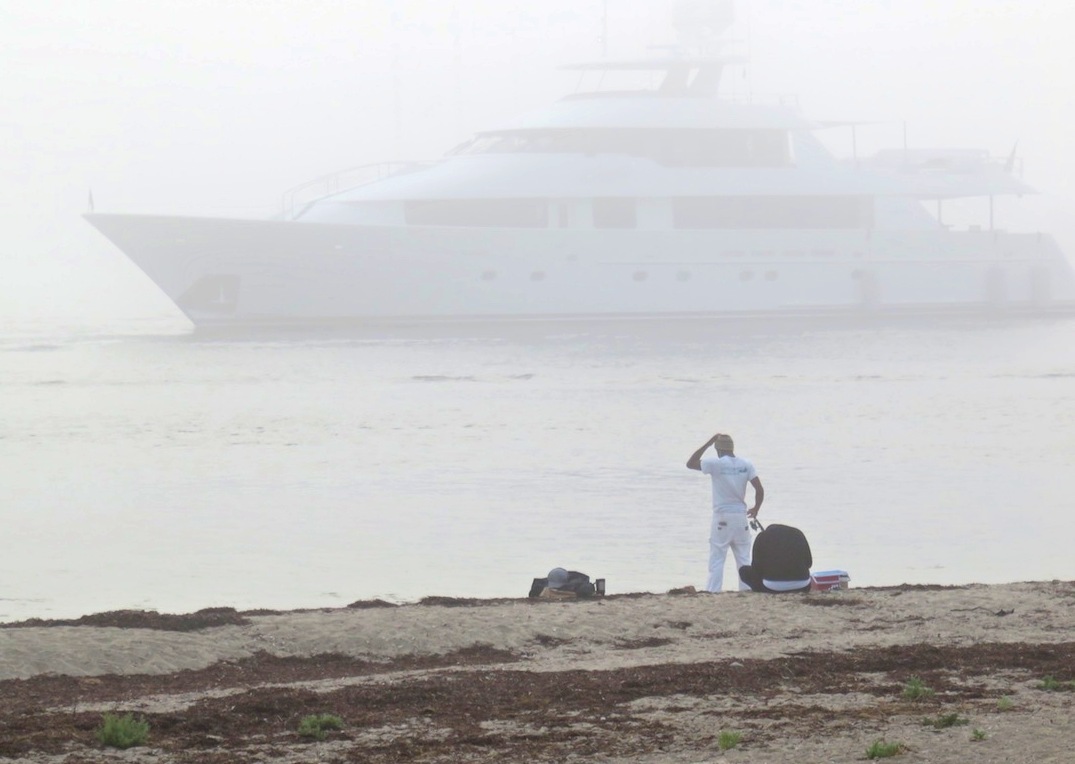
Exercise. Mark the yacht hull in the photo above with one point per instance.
(246, 272)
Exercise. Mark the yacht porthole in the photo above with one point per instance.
(640, 276)
(746, 275)
(537, 276)
(771, 275)
(683, 276)
(488, 275)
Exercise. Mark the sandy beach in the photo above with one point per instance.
(654, 678)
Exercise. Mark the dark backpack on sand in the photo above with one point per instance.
(579, 583)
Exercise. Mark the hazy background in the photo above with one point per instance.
(217, 107)
(178, 471)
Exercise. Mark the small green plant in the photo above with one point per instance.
(882, 750)
(977, 735)
(915, 689)
(1052, 684)
(317, 726)
(122, 731)
(946, 721)
(729, 740)
(1005, 704)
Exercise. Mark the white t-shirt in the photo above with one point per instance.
(730, 476)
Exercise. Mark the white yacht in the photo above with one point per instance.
(669, 201)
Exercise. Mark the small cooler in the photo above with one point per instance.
(828, 580)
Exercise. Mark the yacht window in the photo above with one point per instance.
(681, 147)
(479, 213)
(613, 212)
(772, 212)
(725, 148)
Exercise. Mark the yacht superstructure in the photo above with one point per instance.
(668, 201)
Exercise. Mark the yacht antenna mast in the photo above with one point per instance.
(604, 29)
(397, 105)
(748, 70)
(699, 24)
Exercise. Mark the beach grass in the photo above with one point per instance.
(879, 749)
(945, 721)
(1052, 684)
(729, 740)
(916, 689)
(122, 731)
(318, 726)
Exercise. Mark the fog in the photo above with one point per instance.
(216, 108)
(149, 466)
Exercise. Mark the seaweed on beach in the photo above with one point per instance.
(487, 713)
(207, 618)
(371, 604)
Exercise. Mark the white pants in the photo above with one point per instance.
(730, 529)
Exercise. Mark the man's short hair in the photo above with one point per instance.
(724, 442)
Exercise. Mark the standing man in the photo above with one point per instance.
(729, 475)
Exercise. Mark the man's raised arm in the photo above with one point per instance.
(695, 462)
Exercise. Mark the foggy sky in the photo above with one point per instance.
(217, 107)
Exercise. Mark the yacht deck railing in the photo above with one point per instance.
(296, 199)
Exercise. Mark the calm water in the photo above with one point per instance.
(181, 471)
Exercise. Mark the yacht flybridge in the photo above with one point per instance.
(669, 201)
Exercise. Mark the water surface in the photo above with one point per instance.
(303, 470)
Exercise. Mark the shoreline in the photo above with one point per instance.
(624, 678)
(154, 618)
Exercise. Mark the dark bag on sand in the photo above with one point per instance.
(576, 582)
(579, 583)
